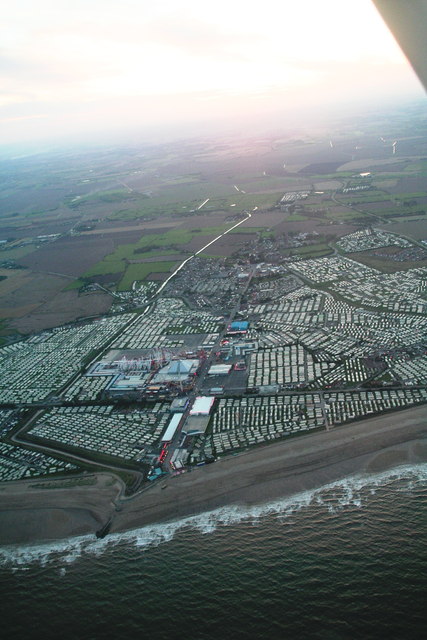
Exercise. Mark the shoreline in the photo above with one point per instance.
(32, 514)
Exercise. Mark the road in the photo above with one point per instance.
(248, 215)
(374, 216)
(73, 457)
(202, 373)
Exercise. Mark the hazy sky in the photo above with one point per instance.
(68, 67)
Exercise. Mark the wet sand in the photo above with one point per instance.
(30, 514)
(38, 510)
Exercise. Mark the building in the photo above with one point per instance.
(176, 371)
(172, 427)
(219, 370)
(179, 405)
(202, 406)
(122, 384)
(239, 325)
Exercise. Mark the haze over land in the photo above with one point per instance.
(101, 71)
(79, 229)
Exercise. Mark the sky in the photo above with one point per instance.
(76, 68)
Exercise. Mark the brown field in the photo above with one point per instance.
(264, 219)
(230, 243)
(73, 255)
(416, 229)
(386, 265)
(411, 184)
(308, 226)
(376, 164)
(147, 227)
(377, 206)
(197, 242)
(35, 227)
(15, 278)
(327, 185)
(106, 279)
(158, 258)
(66, 306)
(36, 301)
(30, 293)
(17, 312)
(201, 221)
(159, 276)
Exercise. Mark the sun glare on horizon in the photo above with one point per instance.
(82, 65)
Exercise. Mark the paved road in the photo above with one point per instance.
(202, 375)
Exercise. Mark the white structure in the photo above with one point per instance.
(202, 406)
(172, 427)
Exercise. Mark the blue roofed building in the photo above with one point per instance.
(239, 326)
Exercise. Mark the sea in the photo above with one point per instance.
(345, 561)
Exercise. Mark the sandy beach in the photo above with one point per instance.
(30, 513)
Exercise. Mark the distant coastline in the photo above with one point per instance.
(48, 510)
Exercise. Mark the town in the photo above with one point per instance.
(229, 355)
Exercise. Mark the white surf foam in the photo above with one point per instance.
(333, 497)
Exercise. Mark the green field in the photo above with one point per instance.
(173, 199)
(141, 271)
(317, 250)
(102, 197)
(281, 184)
(243, 202)
(262, 230)
(357, 197)
(19, 252)
(149, 246)
(74, 285)
(345, 216)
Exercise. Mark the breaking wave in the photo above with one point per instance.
(334, 497)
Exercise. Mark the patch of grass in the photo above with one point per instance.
(19, 252)
(111, 196)
(243, 202)
(410, 196)
(399, 213)
(141, 272)
(295, 217)
(5, 330)
(156, 244)
(244, 229)
(174, 199)
(344, 215)
(414, 218)
(210, 255)
(313, 250)
(362, 198)
(67, 483)
(282, 184)
(74, 285)
(144, 252)
(385, 265)
(104, 267)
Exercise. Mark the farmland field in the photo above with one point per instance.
(131, 213)
(136, 272)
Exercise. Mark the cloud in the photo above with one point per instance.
(79, 65)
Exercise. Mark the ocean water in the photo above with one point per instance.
(346, 561)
